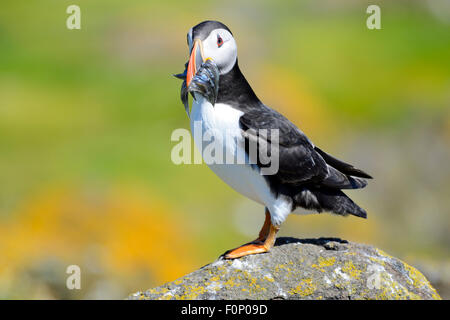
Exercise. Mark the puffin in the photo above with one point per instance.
(307, 179)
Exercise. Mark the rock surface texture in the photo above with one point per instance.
(322, 268)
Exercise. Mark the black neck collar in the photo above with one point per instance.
(236, 91)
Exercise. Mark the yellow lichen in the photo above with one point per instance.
(230, 283)
(323, 262)
(419, 280)
(306, 287)
(215, 278)
(377, 260)
(164, 290)
(153, 291)
(350, 253)
(191, 292)
(350, 269)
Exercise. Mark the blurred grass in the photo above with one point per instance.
(94, 109)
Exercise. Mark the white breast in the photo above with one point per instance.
(241, 177)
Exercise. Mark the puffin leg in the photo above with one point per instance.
(253, 248)
(264, 232)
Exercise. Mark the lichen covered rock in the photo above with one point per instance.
(302, 269)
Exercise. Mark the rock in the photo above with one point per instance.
(325, 268)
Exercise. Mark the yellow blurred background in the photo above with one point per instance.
(86, 118)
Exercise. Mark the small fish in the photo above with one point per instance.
(205, 82)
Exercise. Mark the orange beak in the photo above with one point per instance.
(192, 66)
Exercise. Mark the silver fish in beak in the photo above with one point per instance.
(205, 81)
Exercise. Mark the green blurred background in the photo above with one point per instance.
(86, 118)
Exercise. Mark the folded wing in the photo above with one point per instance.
(300, 162)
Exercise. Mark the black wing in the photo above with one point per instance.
(300, 162)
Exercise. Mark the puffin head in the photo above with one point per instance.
(210, 40)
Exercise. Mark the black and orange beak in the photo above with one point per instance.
(195, 61)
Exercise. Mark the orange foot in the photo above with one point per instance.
(263, 244)
(246, 250)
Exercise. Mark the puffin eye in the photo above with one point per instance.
(219, 41)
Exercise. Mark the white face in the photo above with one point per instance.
(220, 47)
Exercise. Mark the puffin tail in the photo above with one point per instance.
(341, 166)
(330, 200)
(338, 202)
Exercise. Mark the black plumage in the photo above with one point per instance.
(312, 178)
(203, 29)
